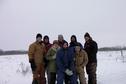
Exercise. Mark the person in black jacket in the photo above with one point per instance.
(91, 48)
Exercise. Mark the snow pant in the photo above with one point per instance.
(81, 75)
(91, 71)
(51, 77)
(61, 78)
(67, 80)
(39, 75)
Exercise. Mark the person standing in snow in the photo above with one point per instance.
(51, 66)
(81, 60)
(91, 48)
(47, 47)
(60, 42)
(36, 55)
(65, 64)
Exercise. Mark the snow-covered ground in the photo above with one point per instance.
(111, 69)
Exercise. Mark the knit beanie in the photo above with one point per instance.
(38, 35)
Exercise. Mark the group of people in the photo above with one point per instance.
(63, 62)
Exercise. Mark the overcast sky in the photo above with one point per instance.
(21, 20)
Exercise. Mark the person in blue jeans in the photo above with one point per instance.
(65, 64)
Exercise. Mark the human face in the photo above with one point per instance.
(39, 39)
(46, 40)
(60, 38)
(65, 45)
(86, 38)
(72, 39)
(77, 48)
(56, 45)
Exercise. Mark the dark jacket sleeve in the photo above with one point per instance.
(71, 59)
(59, 63)
(94, 47)
(91, 49)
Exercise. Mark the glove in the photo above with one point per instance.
(33, 66)
(68, 72)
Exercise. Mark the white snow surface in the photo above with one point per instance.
(15, 69)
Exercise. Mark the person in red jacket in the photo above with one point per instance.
(47, 43)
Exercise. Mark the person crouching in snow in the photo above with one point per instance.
(51, 66)
(65, 64)
(81, 60)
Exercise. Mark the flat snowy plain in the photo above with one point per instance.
(15, 69)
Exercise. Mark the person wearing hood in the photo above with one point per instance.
(65, 64)
(74, 42)
(36, 55)
(47, 43)
(91, 48)
(47, 47)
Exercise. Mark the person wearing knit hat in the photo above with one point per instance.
(36, 55)
(39, 38)
(91, 48)
(38, 35)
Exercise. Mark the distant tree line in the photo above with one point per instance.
(16, 52)
(12, 52)
(112, 48)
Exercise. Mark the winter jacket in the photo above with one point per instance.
(51, 57)
(47, 46)
(65, 59)
(81, 60)
(61, 43)
(36, 52)
(73, 44)
(91, 48)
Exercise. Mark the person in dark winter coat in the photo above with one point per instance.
(60, 42)
(74, 42)
(65, 64)
(91, 48)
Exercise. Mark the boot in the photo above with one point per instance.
(34, 82)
